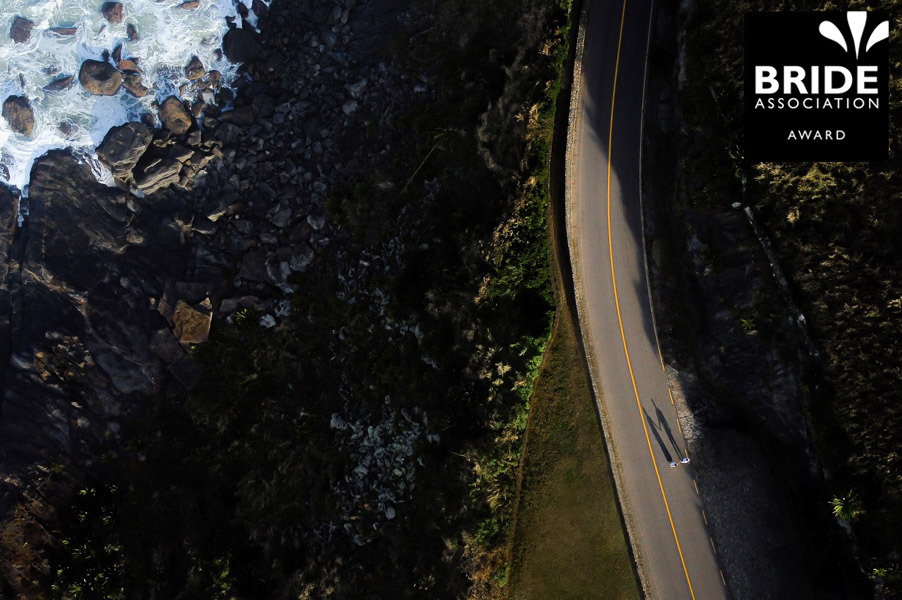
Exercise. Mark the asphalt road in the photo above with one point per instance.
(677, 558)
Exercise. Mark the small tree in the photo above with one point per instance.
(847, 507)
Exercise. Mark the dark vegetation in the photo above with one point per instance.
(836, 228)
(241, 490)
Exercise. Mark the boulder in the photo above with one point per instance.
(132, 32)
(189, 5)
(316, 221)
(159, 174)
(243, 115)
(263, 105)
(123, 146)
(165, 345)
(20, 31)
(197, 109)
(17, 112)
(112, 12)
(227, 133)
(241, 45)
(126, 64)
(253, 266)
(192, 324)
(99, 78)
(195, 69)
(174, 116)
(125, 375)
(180, 153)
(260, 9)
(59, 84)
(301, 257)
(132, 82)
(64, 31)
(281, 217)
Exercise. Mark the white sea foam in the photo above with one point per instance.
(168, 37)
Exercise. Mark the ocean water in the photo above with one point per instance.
(168, 37)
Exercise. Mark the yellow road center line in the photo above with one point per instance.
(712, 545)
(722, 578)
(705, 517)
(620, 318)
(671, 396)
(696, 486)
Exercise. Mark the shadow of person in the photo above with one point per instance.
(654, 431)
(662, 422)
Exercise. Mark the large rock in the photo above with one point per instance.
(253, 266)
(301, 257)
(243, 115)
(123, 146)
(241, 45)
(75, 310)
(192, 323)
(195, 69)
(132, 81)
(17, 112)
(99, 78)
(165, 345)
(59, 84)
(175, 116)
(112, 12)
(159, 174)
(20, 30)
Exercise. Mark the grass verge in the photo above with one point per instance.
(568, 540)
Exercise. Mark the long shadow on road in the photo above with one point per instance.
(654, 431)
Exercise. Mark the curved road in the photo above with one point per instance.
(664, 514)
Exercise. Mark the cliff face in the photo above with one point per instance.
(86, 337)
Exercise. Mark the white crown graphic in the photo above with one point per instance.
(857, 20)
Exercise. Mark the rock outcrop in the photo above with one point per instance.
(112, 12)
(174, 116)
(17, 112)
(241, 45)
(64, 31)
(132, 81)
(192, 323)
(99, 78)
(159, 174)
(195, 69)
(122, 147)
(20, 32)
(105, 292)
(59, 84)
(86, 331)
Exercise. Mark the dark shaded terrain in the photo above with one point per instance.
(366, 445)
(796, 422)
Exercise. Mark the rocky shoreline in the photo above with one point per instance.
(359, 234)
(105, 292)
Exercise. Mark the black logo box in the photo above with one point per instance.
(792, 38)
